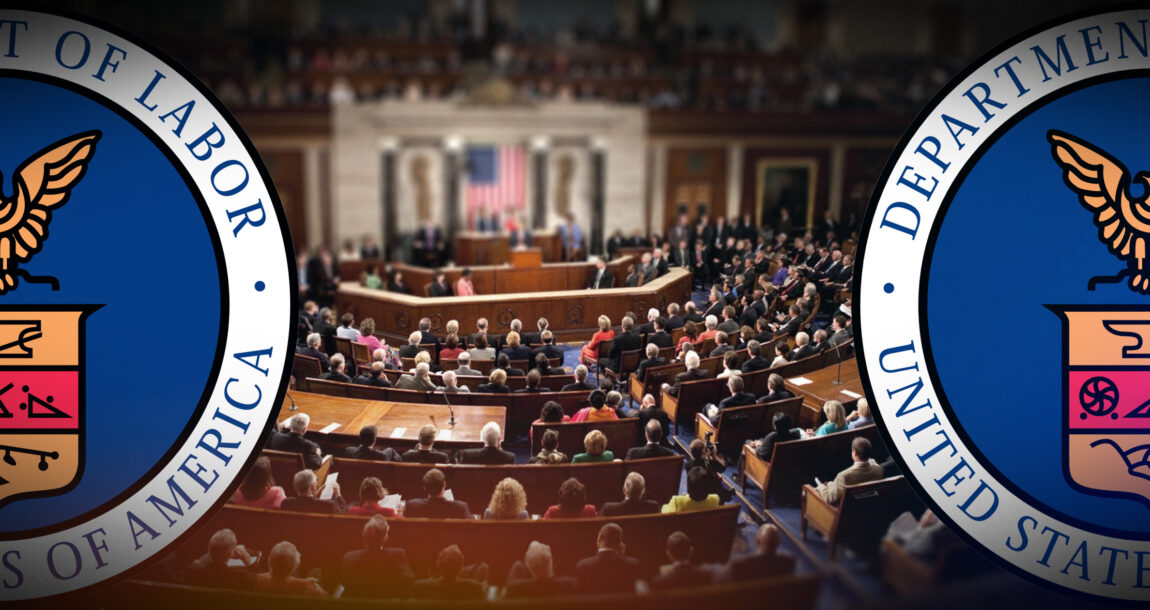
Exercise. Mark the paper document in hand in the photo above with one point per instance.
(391, 501)
(329, 486)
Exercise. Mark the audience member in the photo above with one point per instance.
(549, 454)
(425, 453)
(214, 569)
(589, 353)
(259, 489)
(862, 470)
(595, 449)
(836, 419)
(766, 562)
(654, 434)
(609, 570)
(697, 496)
(306, 500)
(508, 501)
(860, 416)
(376, 570)
(293, 441)
(634, 488)
(681, 573)
(572, 502)
(419, 381)
(535, 575)
(449, 585)
(491, 453)
(338, 370)
(435, 505)
(366, 449)
(581, 383)
(371, 492)
(279, 579)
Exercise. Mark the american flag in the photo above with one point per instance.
(497, 178)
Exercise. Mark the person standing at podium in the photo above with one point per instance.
(486, 222)
(520, 236)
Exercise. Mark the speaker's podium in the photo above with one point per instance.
(526, 257)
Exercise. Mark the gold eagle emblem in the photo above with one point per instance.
(42, 183)
(1103, 187)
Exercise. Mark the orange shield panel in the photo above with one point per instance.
(41, 399)
(1106, 393)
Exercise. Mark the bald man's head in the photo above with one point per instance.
(768, 539)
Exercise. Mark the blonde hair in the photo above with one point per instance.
(604, 323)
(423, 356)
(497, 376)
(863, 408)
(512, 339)
(508, 500)
(595, 443)
(835, 413)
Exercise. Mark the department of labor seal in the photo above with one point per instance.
(147, 303)
(1002, 304)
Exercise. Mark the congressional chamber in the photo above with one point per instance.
(575, 304)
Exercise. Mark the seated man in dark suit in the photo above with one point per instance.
(548, 348)
(376, 570)
(776, 389)
(626, 341)
(314, 341)
(435, 505)
(541, 365)
(767, 562)
(601, 277)
(293, 441)
(681, 573)
(366, 449)
(660, 336)
(654, 433)
(790, 325)
(425, 334)
(608, 571)
(448, 585)
(649, 410)
(691, 374)
(424, 454)
(758, 358)
(412, 347)
(491, 453)
(212, 569)
(373, 376)
(581, 383)
(504, 362)
(634, 488)
(802, 347)
(306, 499)
(338, 370)
(652, 360)
(530, 339)
(721, 345)
(738, 398)
(691, 313)
(533, 378)
(674, 320)
(535, 575)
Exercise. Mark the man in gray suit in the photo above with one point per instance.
(464, 367)
(419, 381)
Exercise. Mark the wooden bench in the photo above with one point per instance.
(737, 425)
(286, 464)
(323, 539)
(303, 367)
(794, 592)
(693, 395)
(797, 463)
(858, 521)
(473, 484)
(622, 434)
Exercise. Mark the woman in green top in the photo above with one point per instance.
(595, 444)
(697, 497)
(371, 278)
(836, 419)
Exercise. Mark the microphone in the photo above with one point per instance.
(450, 409)
(293, 406)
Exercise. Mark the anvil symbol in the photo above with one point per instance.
(1135, 329)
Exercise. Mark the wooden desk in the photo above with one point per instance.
(353, 414)
(527, 257)
(555, 292)
(474, 249)
(822, 388)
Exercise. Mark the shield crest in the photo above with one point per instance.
(1106, 400)
(41, 399)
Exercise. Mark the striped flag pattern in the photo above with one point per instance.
(497, 178)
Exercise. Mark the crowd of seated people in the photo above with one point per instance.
(376, 569)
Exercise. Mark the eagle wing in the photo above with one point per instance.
(1102, 185)
(43, 183)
